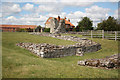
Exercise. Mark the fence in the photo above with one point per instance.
(112, 35)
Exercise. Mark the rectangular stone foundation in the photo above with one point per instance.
(53, 51)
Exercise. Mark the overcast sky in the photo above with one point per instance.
(36, 12)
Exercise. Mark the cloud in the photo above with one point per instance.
(0, 15)
(43, 8)
(97, 13)
(12, 18)
(49, 8)
(89, 0)
(76, 15)
(25, 20)
(28, 7)
(117, 13)
(9, 20)
(59, 0)
(94, 12)
(96, 9)
(32, 15)
(66, 3)
(75, 3)
(10, 8)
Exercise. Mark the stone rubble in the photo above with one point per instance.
(53, 51)
(59, 36)
(108, 62)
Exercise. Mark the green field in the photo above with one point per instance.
(20, 63)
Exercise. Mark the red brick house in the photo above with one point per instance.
(68, 24)
(13, 28)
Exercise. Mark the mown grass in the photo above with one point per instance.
(20, 63)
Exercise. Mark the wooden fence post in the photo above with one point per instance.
(91, 34)
(103, 34)
(115, 35)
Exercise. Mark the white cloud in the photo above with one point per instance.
(95, 10)
(12, 18)
(75, 3)
(28, 7)
(117, 13)
(43, 8)
(51, 15)
(9, 20)
(33, 15)
(25, 20)
(95, 13)
(76, 15)
(59, 0)
(0, 15)
(89, 0)
(50, 7)
(10, 8)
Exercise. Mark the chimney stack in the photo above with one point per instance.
(69, 20)
(64, 17)
(58, 18)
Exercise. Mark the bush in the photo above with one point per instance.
(29, 30)
(46, 30)
(24, 30)
(74, 30)
(21, 30)
(67, 29)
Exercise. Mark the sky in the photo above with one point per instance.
(36, 12)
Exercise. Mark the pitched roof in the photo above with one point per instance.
(66, 21)
(19, 26)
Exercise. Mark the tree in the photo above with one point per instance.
(110, 24)
(38, 28)
(46, 30)
(85, 24)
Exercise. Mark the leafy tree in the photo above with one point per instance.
(110, 24)
(29, 30)
(38, 28)
(85, 24)
(46, 30)
(77, 29)
(21, 30)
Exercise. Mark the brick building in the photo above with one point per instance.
(68, 24)
(14, 28)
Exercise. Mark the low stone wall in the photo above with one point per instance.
(54, 51)
(59, 36)
(108, 62)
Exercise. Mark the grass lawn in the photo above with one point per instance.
(20, 63)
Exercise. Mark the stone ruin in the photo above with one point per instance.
(58, 36)
(83, 46)
(53, 51)
(57, 26)
(108, 62)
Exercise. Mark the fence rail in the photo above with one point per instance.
(112, 35)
